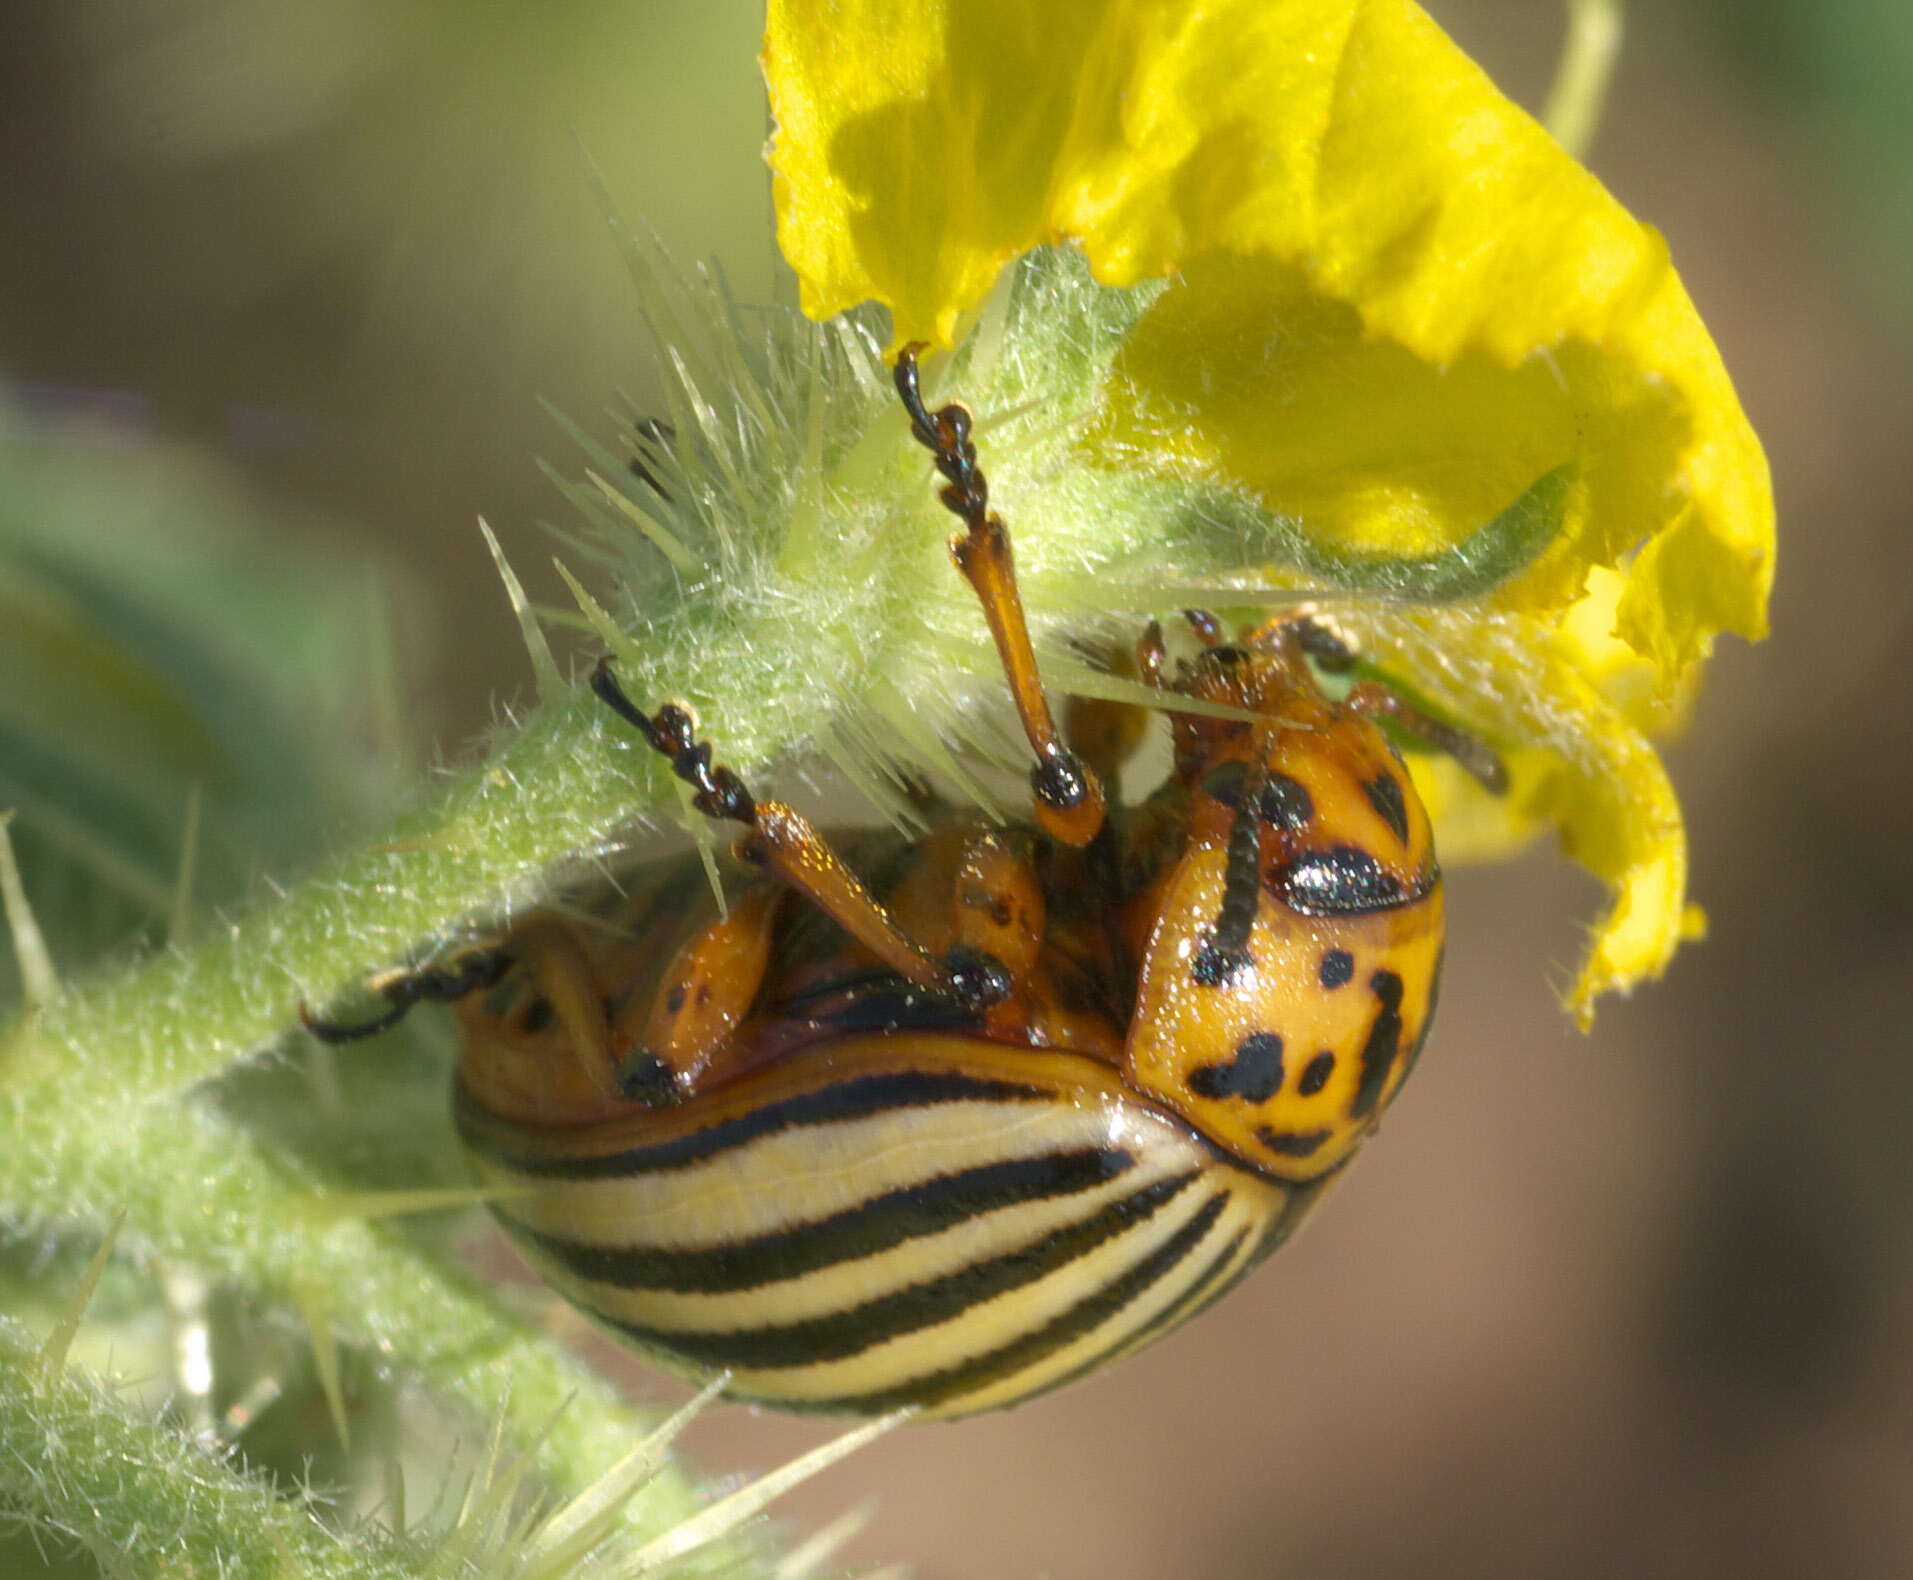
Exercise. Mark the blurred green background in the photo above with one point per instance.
(1633, 1303)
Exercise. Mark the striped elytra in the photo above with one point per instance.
(901, 1219)
(948, 1121)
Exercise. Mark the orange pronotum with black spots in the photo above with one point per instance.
(947, 1122)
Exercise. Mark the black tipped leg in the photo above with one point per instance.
(672, 733)
(433, 984)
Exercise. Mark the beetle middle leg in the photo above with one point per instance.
(1068, 796)
(783, 840)
(684, 1029)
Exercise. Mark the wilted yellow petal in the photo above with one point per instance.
(1587, 768)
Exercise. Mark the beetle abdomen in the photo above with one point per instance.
(896, 1219)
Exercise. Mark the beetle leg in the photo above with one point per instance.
(553, 953)
(436, 984)
(1068, 795)
(783, 840)
(1476, 757)
(704, 995)
(998, 905)
(998, 910)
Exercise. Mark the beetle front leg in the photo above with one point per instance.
(706, 992)
(783, 840)
(1067, 794)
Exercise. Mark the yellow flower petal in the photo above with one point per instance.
(1586, 769)
(1400, 301)
(1397, 305)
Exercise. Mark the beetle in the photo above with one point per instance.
(947, 1122)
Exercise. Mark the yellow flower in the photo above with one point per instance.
(1395, 304)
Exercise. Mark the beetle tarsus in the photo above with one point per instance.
(442, 984)
(672, 733)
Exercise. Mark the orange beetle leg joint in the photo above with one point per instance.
(783, 840)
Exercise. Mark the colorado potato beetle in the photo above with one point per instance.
(948, 1122)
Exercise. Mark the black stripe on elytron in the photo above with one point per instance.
(871, 1226)
(1283, 1223)
(1192, 1300)
(1031, 1349)
(856, 1098)
(841, 1334)
(1383, 1046)
(1204, 1290)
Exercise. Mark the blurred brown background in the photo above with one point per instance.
(1637, 1303)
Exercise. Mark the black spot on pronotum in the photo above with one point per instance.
(1339, 881)
(538, 1015)
(1292, 1143)
(1254, 1074)
(674, 1000)
(1315, 1073)
(1384, 794)
(1285, 803)
(1384, 1044)
(1338, 967)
